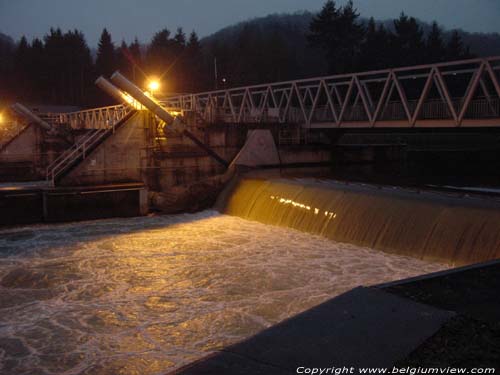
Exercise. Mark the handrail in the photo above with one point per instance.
(341, 94)
(80, 148)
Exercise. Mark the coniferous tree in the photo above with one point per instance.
(194, 59)
(435, 49)
(159, 53)
(79, 68)
(177, 72)
(351, 37)
(180, 39)
(7, 51)
(22, 65)
(135, 57)
(123, 63)
(323, 31)
(106, 56)
(375, 50)
(408, 41)
(339, 34)
(36, 70)
(455, 48)
(54, 45)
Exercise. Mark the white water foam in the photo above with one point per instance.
(147, 295)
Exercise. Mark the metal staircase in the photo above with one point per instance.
(81, 149)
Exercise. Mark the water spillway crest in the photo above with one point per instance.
(426, 226)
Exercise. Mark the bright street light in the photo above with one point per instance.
(153, 86)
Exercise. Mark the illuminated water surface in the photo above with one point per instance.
(147, 295)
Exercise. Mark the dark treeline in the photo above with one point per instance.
(61, 68)
(350, 45)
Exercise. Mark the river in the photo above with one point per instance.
(147, 295)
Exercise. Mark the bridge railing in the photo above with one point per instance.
(456, 91)
(96, 118)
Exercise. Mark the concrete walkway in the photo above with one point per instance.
(365, 327)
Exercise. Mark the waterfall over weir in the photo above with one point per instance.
(430, 226)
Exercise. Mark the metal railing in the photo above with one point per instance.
(96, 118)
(365, 99)
(360, 97)
(80, 149)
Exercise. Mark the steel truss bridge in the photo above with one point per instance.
(453, 94)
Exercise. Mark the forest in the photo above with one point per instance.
(61, 68)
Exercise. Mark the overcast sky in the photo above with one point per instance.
(142, 18)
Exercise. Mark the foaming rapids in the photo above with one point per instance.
(147, 295)
(429, 226)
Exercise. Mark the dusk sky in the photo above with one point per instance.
(142, 18)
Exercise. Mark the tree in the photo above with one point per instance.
(435, 49)
(123, 63)
(322, 28)
(351, 37)
(194, 62)
(376, 48)
(36, 70)
(106, 55)
(78, 69)
(22, 67)
(180, 39)
(7, 51)
(159, 53)
(408, 41)
(339, 34)
(135, 57)
(455, 48)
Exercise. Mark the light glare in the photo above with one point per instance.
(153, 85)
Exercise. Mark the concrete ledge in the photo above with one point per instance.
(364, 327)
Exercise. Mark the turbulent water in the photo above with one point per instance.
(428, 225)
(147, 295)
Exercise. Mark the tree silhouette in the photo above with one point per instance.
(106, 57)
(59, 69)
(408, 41)
(436, 50)
(376, 47)
(194, 62)
(455, 49)
(22, 64)
(159, 53)
(339, 34)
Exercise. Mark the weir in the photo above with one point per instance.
(427, 225)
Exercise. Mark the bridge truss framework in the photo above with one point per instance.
(453, 94)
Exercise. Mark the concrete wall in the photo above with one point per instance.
(20, 157)
(178, 161)
(26, 156)
(25, 146)
(304, 155)
(34, 205)
(120, 158)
